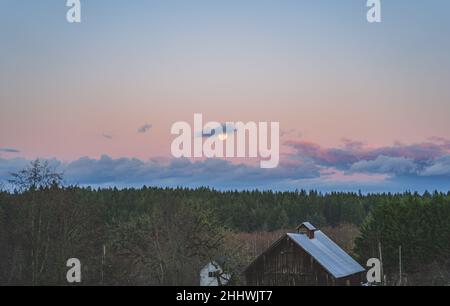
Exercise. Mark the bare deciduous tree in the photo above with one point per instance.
(38, 174)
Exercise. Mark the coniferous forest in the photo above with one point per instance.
(153, 236)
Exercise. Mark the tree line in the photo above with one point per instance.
(157, 236)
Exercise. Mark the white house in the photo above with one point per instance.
(212, 274)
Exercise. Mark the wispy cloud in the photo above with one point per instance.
(145, 128)
(107, 136)
(292, 133)
(9, 150)
(386, 165)
(224, 128)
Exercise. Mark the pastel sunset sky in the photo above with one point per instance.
(361, 106)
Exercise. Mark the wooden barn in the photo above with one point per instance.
(304, 258)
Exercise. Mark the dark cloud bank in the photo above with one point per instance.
(417, 167)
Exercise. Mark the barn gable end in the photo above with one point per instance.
(307, 257)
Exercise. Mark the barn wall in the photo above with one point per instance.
(286, 264)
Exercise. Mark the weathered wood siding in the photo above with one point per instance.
(286, 264)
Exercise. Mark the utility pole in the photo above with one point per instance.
(400, 264)
(103, 262)
(381, 262)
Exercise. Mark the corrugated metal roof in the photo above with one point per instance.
(309, 226)
(328, 254)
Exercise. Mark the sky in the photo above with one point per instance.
(361, 106)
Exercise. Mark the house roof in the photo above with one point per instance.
(328, 254)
